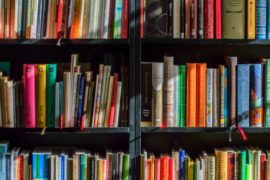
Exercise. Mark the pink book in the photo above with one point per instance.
(157, 169)
(29, 95)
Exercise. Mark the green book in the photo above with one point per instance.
(267, 94)
(125, 167)
(50, 83)
(182, 95)
(195, 170)
(242, 164)
(186, 168)
(117, 19)
(5, 68)
(248, 171)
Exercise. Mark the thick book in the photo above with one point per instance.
(256, 95)
(233, 19)
(146, 94)
(208, 19)
(51, 75)
(29, 96)
(267, 94)
(261, 19)
(201, 95)
(251, 17)
(182, 95)
(168, 92)
(231, 65)
(191, 95)
(243, 85)
(157, 91)
(222, 163)
(156, 23)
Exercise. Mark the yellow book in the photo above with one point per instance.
(41, 95)
(221, 161)
(101, 172)
(251, 19)
(3, 99)
(190, 170)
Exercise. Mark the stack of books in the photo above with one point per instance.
(58, 163)
(205, 19)
(69, 98)
(223, 164)
(193, 95)
(48, 19)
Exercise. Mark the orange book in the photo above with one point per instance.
(148, 169)
(19, 167)
(191, 94)
(12, 34)
(164, 167)
(201, 95)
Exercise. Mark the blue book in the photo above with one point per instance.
(41, 166)
(80, 102)
(261, 19)
(34, 166)
(39, 19)
(182, 164)
(24, 17)
(3, 151)
(226, 108)
(243, 84)
(8, 175)
(62, 167)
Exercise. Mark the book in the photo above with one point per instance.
(209, 99)
(182, 95)
(187, 14)
(243, 86)
(233, 21)
(208, 19)
(29, 96)
(194, 19)
(41, 95)
(261, 19)
(218, 19)
(256, 102)
(223, 97)
(201, 95)
(267, 94)
(176, 18)
(251, 16)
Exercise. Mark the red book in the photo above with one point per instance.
(209, 19)
(164, 167)
(263, 166)
(125, 19)
(171, 169)
(113, 102)
(142, 18)
(218, 19)
(230, 166)
(59, 18)
(187, 18)
(157, 169)
(29, 96)
(148, 169)
(194, 19)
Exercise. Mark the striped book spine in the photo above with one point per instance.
(261, 19)
(267, 94)
(223, 84)
(209, 98)
(256, 101)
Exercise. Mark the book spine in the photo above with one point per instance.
(268, 19)
(209, 19)
(29, 96)
(118, 100)
(251, 19)
(142, 18)
(125, 19)
(261, 19)
(191, 95)
(215, 98)
(176, 96)
(218, 18)
(109, 101)
(157, 91)
(176, 18)
(226, 97)
(164, 166)
(182, 95)
(200, 19)
(117, 19)
(209, 99)
(57, 105)
(80, 102)
(243, 95)
(222, 96)
(183, 20)
(168, 103)
(242, 165)
(59, 18)
(256, 101)
(201, 92)
(39, 7)
(146, 85)
(187, 18)
(67, 100)
(125, 167)
(2, 20)
(170, 18)
(114, 99)
(231, 64)
(267, 94)
(50, 94)
(194, 19)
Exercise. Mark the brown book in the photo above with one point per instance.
(231, 64)
(187, 18)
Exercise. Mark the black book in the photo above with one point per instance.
(114, 167)
(182, 17)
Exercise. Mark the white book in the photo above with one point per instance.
(99, 93)
(52, 167)
(168, 103)
(118, 100)
(74, 98)
(81, 15)
(99, 17)
(176, 18)
(34, 22)
(67, 98)
(19, 20)
(11, 104)
(16, 15)
(92, 19)
(176, 94)
(106, 15)
(209, 98)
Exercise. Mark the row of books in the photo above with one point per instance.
(205, 19)
(38, 19)
(80, 100)
(223, 164)
(193, 95)
(59, 163)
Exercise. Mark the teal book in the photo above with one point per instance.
(117, 19)
(242, 164)
(125, 167)
(50, 100)
(83, 162)
(226, 109)
(267, 94)
(3, 162)
(5, 68)
(261, 19)
(182, 95)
